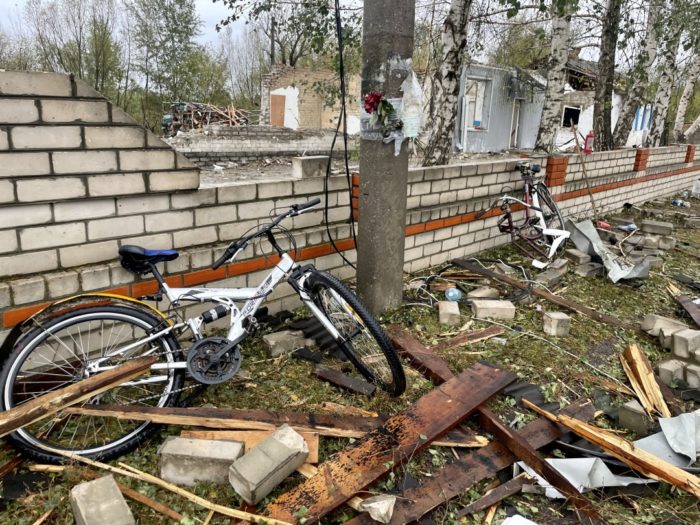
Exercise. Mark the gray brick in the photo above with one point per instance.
(95, 278)
(174, 220)
(14, 216)
(5, 297)
(193, 199)
(146, 160)
(84, 90)
(232, 231)
(13, 111)
(28, 290)
(114, 228)
(46, 137)
(118, 275)
(195, 237)
(100, 501)
(62, 284)
(118, 184)
(7, 191)
(155, 241)
(83, 209)
(182, 162)
(142, 204)
(24, 164)
(114, 137)
(88, 253)
(28, 263)
(34, 83)
(173, 180)
(237, 193)
(274, 189)
(4, 144)
(215, 215)
(55, 111)
(52, 236)
(153, 141)
(201, 257)
(252, 210)
(52, 189)
(84, 161)
(121, 117)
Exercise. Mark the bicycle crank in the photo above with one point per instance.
(213, 360)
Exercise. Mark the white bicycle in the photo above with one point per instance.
(83, 336)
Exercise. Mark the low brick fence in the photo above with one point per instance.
(74, 186)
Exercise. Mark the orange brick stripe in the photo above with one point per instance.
(641, 159)
(355, 199)
(556, 171)
(690, 153)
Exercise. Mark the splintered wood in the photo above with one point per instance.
(692, 309)
(399, 439)
(43, 406)
(636, 458)
(641, 376)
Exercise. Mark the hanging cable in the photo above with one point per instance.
(342, 118)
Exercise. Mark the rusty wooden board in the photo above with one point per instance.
(507, 489)
(422, 358)
(478, 465)
(469, 338)
(337, 378)
(382, 450)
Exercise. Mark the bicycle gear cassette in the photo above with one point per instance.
(206, 368)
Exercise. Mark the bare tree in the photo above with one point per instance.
(693, 75)
(246, 60)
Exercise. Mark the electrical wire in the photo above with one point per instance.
(342, 119)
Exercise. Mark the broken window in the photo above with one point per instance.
(476, 100)
(570, 113)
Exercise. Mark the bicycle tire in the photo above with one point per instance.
(373, 355)
(55, 354)
(552, 219)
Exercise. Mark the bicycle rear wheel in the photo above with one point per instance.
(58, 352)
(552, 219)
(361, 337)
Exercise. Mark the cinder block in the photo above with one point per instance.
(667, 243)
(28, 290)
(448, 313)
(557, 324)
(46, 137)
(257, 473)
(115, 137)
(657, 227)
(692, 376)
(632, 416)
(16, 111)
(24, 164)
(590, 269)
(173, 180)
(15, 216)
(84, 162)
(484, 292)
(551, 277)
(486, 308)
(506, 270)
(671, 371)
(53, 189)
(146, 160)
(52, 236)
(308, 167)
(99, 502)
(55, 111)
(88, 253)
(284, 342)
(686, 342)
(188, 461)
(62, 284)
(652, 324)
(28, 263)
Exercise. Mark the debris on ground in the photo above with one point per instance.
(185, 461)
(380, 508)
(100, 501)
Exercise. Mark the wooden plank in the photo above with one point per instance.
(556, 299)
(469, 338)
(507, 489)
(43, 406)
(641, 374)
(344, 381)
(399, 439)
(219, 418)
(309, 471)
(345, 410)
(461, 475)
(520, 448)
(251, 438)
(636, 458)
(422, 358)
(11, 465)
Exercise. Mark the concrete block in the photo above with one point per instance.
(62, 284)
(686, 342)
(257, 473)
(484, 292)
(692, 376)
(506, 270)
(590, 269)
(16, 111)
(559, 264)
(46, 137)
(448, 313)
(671, 371)
(557, 324)
(188, 461)
(88, 253)
(24, 164)
(691, 223)
(53, 189)
(28, 290)
(652, 324)
(52, 236)
(27, 263)
(118, 184)
(551, 277)
(99, 502)
(307, 167)
(633, 417)
(651, 241)
(487, 308)
(666, 336)
(114, 137)
(173, 180)
(284, 342)
(657, 227)
(55, 111)
(667, 243)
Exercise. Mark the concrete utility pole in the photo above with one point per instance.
(387, 49)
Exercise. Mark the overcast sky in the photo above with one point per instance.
(210, 12)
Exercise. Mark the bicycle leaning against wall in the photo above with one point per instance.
(83, 336)
(541, 234)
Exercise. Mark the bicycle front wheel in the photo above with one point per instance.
(59, 352)
(361, 338)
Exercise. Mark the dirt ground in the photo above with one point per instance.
(565, 369)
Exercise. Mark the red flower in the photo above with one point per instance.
(372, 100)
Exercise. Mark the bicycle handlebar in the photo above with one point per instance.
(234, 247)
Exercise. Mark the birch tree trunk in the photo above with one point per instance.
(662, 99)
(602, 109)
(639, 77)
(678, 135)
(446, 84)
(556, 80)
(693, 127)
